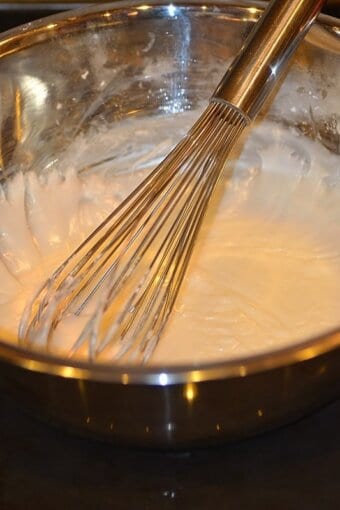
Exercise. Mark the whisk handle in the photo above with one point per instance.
(266, 53)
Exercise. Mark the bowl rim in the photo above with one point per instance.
(160, 375)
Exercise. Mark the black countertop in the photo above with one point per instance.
(296, 467)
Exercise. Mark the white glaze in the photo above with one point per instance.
(265, 273)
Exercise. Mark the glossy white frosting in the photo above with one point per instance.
(266, 269)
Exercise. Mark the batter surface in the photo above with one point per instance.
(266, 269)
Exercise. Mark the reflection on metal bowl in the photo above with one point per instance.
(41, 66)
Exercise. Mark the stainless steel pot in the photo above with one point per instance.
(44, 102)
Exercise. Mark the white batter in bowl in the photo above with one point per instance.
(266, 270)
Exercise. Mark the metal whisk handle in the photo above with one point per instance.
(265, 54)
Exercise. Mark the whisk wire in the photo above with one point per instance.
(157, 205)
(172, 234)
(145, 245)
(151, 301)
(182, 185)
(128, 222)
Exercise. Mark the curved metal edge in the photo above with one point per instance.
(173, 374)
(34, 33)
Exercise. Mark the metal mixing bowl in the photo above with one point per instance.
(84, 69)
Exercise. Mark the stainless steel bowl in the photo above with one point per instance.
(45, 101)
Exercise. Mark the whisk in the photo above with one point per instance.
(126, 275)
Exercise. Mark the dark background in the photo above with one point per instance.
(294, 468)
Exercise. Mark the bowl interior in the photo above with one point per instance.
(68, 83)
